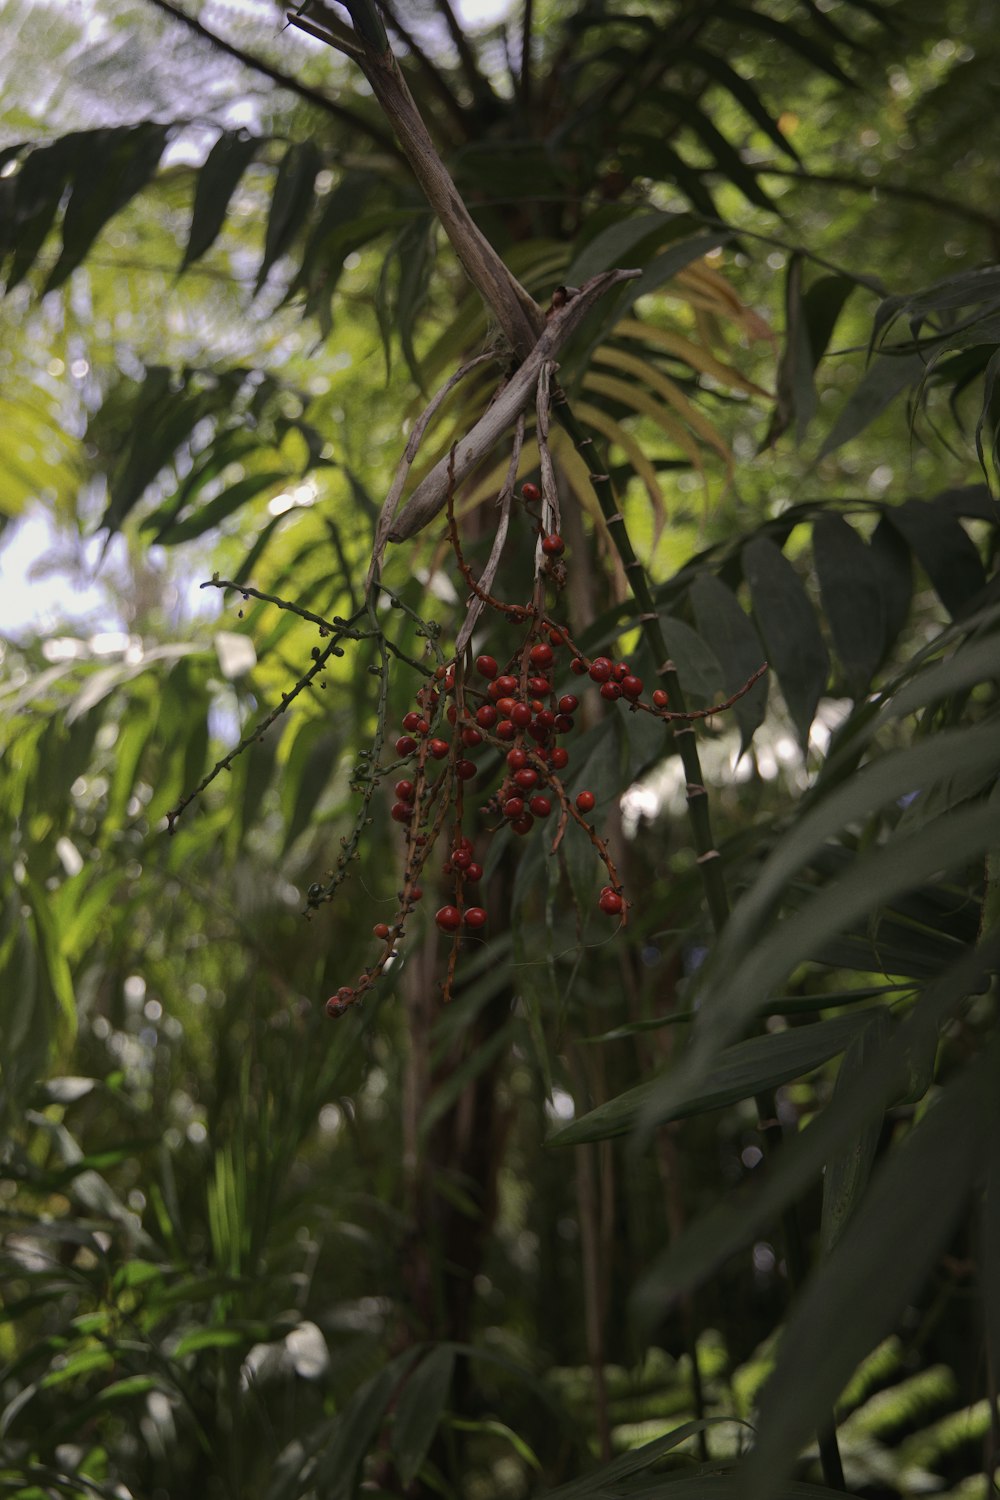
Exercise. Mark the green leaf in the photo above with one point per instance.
(946, 552)
(745, 94)
(354, 1430)
(117, 165)
(743, 1214)
(293, 194)
(893, 566)
(731, 634)
(605, 1480)
(852, 599)
(697, 666)
(788, 623)
(419, 1410)
(886, 377)
(879, 1265)
(740, 1072)
(217, 181)
(231, 499)
(847, 1173)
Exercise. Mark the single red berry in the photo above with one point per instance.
(611, 903)
(621, 671)
(558, 758)
(471, 738)
(405, 745)
(539, 686)
(448, 918)
(541, 655)
(521, 715)
(545, 718)
(427, 697)
(504, 706)
(600, 669)
(586, 802)
(438, 748)
(506, 730)
(475, 917)
(494, 691)
(531, 492)
(556, 638)
(421, 727)
(411, 720)
(452, 714)
(486, 716)
(538, 732)
(440, 672)
(578, 667)
(461, 859)
(381, 930)
(537, 705)
(563, 724)
(611, 691)
(506, 684)
(526, 778)
(517, 758)
(553, 545)
(417, 893)
(660, 698)
(632, 686)
(524, 824)
(405, 791)
(474, 872)
(486, 666)
(338, 1003)
(446, 868)
(465, 770)
(513, 807)
(462, 842)
(568, 704)
(540, 806)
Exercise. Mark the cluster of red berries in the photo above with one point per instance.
(520, 713)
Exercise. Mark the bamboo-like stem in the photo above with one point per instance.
(709, 859)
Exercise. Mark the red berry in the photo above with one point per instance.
(611, 903)
(475, 917)
(545, 718)
(621, 671)
(517, 758)
(421, 727)
(463, 843)
(540, 806)
(541, 655)
(611, 691)
(380, 930)
(486, 666)
(632, 686)
(486, 716)
(474, 872)
(553, 545)
(568, 704)
(438, 748)
(660, 698)
(338, 1003)
(506, 730)
(558, 758)
(405, 745)
(524, 824)
(600, 669)
(427, 697)
(504, 706)
(417, 893)
(471, 738)
(405, 791)
(526, 778)
(513, 807)
(563, 724)
(506, 684)
(556, 638)
(539, 686)
(538, 731)
(578, 666)
(521, 715)
(461, 859)
(531, 492)
(452, 714)
(401, 812)
(411, 720)
(448, 918)
(465, 770)
(586, 802)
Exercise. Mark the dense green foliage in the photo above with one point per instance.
(636, 1211)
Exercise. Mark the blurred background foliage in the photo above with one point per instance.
(528, 1240)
